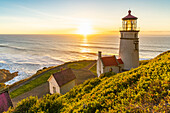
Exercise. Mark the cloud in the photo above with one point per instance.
(48, 15)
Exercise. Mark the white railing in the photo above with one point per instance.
(129, 29)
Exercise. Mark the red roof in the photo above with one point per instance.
(64, 76)
(129, 16)
(109, 61)
(120, 61)
(5, 101)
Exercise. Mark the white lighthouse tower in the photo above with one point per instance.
(129, 42)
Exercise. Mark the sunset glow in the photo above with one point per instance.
(85, 29)
(80, 16)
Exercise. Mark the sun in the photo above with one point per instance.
(85, 28)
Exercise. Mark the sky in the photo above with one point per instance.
(78, 16)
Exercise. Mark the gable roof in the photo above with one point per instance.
(64, 76)
(120, 61)
(5, 100)
(110, 61)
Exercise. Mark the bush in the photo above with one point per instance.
(24, 105)
(143, 62)
(2, 85)
(143, 89)
(108, 74)
(49, 104)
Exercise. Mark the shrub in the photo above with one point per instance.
(24, 105)
(143, 89)
(108, 74)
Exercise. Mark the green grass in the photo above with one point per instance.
(42, 79)
(3, 87)
(32, 84)
(93, 69)
(143, 89)
(143, 62)
(78, 65)
(37, 73)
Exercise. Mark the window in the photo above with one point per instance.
(121, 35)
(54, 89)
(136, 35)
(136, 45)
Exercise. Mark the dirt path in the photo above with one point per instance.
(89, 66)
(84, 73)
(37, 91)
(81, 75)
(27, 81)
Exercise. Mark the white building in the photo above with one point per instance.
(61, 82)
(110, 63)
(128, 50)
(129, 47)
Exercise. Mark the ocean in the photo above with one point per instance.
(29, 53)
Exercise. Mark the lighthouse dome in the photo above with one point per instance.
(129, 16)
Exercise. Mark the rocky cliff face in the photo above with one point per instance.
(5, 75)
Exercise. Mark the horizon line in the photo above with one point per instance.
(109, 32)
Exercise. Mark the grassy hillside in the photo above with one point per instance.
(6, 75)
(44, 77)
(143, 89)
(32, 84)
(2, 86)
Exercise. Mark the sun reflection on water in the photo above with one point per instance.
(84, 45)
(85, 39)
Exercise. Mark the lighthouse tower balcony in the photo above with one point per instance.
(129, 23)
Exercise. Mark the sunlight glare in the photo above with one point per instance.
(85, 28)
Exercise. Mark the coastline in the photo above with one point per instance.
(6, 75)
(42, 89)
(41, 72)
(51, 67)
(26, 57)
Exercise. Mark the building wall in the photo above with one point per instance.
(65, 88)
(5, 101)
(129, 49)
(121, 67)
(114, 69)
(99, 67)
(53, 83)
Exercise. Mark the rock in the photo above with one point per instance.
(5, 75)
(2, 85)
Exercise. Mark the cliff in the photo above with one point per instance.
(5, 75)
(143, 89)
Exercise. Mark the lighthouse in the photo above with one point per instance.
(129, 42)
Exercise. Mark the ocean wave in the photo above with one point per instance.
(29, 53)
(115, 48)
(26, 65)
(101, 43)
(26, 39)
(72, 52)
(90, 46)
(14, 47)
(2, 62)
(155, 46)
(144, 50)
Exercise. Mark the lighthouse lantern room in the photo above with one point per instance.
(129, 47)
(129, 23)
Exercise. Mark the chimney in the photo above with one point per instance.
(99, 54)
